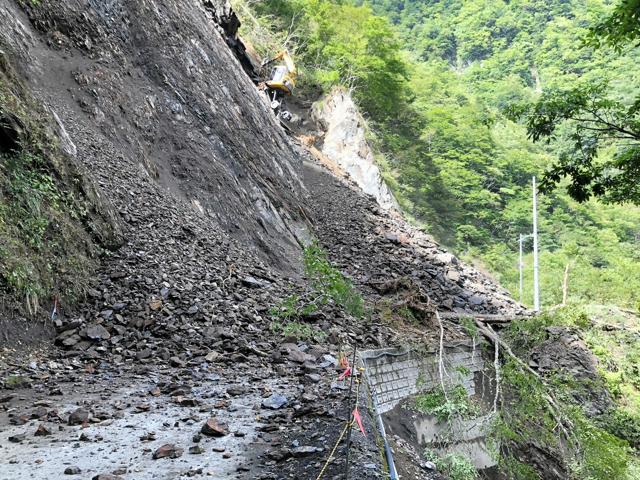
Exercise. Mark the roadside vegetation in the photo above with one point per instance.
(594, 447)
(328, 287)
(453, 465)
(45, 251)
(455, 403)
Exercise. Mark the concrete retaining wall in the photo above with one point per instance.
(395, 374)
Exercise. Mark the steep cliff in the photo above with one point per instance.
(150, 88)
(344, 142)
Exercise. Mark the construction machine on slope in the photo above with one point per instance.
(281, 82)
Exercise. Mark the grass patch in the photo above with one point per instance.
(526, 334)
(292, 307)
(298, 330)
(454, 465)
(15, 381)
(328, 286)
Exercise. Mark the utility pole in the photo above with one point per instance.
(520, 264)
(536, 281)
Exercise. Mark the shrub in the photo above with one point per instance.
(455, 404)
(623, 425)
(298, 330)
(328, 286)
(329, 282)
(454, 465)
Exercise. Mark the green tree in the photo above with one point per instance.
(590, 118)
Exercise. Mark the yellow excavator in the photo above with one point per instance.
(281, 83)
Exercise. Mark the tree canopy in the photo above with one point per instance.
(594, 118)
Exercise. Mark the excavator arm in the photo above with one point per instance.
(283, 55)
(288, 61)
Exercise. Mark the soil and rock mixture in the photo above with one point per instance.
(170, 368)
(385, 255)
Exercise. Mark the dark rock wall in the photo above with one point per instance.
(157, 80)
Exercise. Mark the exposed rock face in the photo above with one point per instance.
(151, 89)
(565, 352)
(203, 183)
(345, 143)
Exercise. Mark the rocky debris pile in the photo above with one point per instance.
(182, 113)
(383, 253)
(320, 412)
(411, 463)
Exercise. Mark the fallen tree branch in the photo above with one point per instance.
(440, 359)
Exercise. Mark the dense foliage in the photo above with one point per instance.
(596, 119)
(467, 175)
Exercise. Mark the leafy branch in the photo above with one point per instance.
(593, 122)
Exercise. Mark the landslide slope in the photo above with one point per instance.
(148, 100)
(207, 191)
(149, 89)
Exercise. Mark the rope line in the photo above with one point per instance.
(355, 376)
(335, 447)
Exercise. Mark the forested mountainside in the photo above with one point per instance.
(435, 80)
(469, 174)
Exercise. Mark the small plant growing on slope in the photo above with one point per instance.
(454, 465)
(455, 404)
(329, 282)
(298, 330)
(328, 286)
